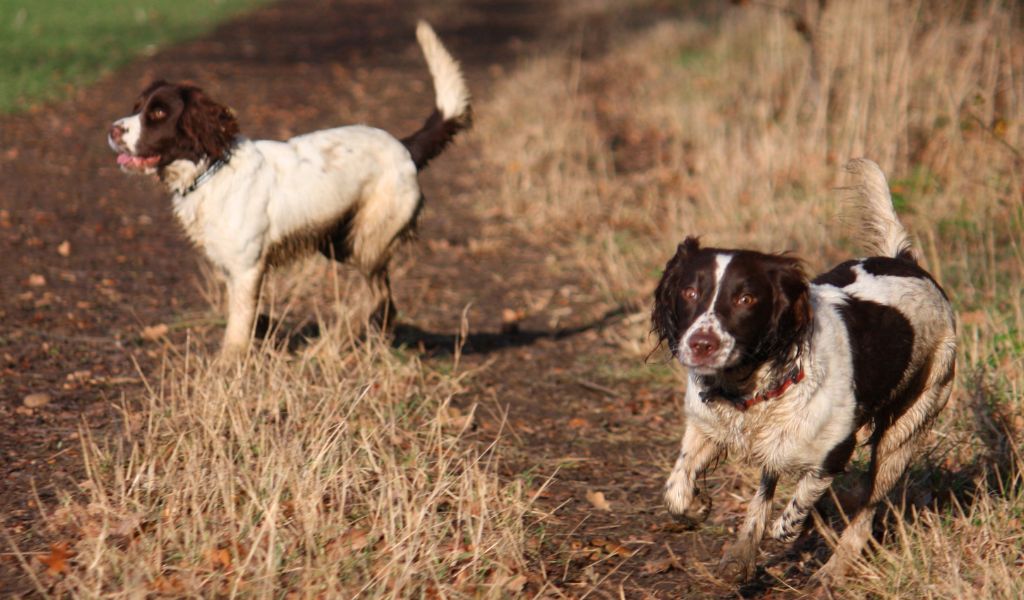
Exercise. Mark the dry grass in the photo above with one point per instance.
(335, 472)
(737, 131)
(341, 469)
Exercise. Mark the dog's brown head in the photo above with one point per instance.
(718, 308)
(172, 121)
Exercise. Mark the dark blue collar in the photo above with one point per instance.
(211, 170)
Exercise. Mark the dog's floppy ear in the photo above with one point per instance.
(688, 248)
(792, 311)
(664, 321)
(210, 126)
(146, 92)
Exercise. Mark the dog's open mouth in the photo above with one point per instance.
(137, 163)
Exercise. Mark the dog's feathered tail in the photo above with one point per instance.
(881, 231)
(452, 113)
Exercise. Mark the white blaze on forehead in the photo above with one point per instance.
(721, 263)
(708, 322)
(131, 128)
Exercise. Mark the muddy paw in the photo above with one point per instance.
(737, 564)
(696, 513)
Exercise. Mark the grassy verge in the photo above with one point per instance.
(50, 46)
(336, 473)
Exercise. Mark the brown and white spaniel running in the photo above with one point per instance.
(349, 192)
(784, 371)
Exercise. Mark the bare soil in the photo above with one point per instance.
(565, 399)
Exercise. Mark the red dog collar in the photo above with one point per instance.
(796, 376)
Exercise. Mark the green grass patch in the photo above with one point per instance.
(921, 183)
(48, 47)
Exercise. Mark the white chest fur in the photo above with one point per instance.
(794, 431)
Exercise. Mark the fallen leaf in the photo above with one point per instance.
(515, 585)
(598, 501)
(36, 400)
(64, 249)
(57, 560)
(653, 567)
(154, 332)
(36, 280)
(617, 549)
(79, 376)
(218, 557)
(453, 417)
(357, 539)
(578, 423)
(352, 541)
(167, 585)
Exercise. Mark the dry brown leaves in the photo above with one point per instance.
(654, 567)
(56, 561)
(218, 558)
(153, 333)
(349, 543)
(579, 423)
(453, 417)
(598, 501)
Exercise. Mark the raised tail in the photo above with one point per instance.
(452, 113)
(881, 231)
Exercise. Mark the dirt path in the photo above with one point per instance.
(72, 314)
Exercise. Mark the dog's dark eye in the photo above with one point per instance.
(157, 113)
(745, 300)
(691, 294)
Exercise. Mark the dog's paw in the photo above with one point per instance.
(826, 576)
(694, 513)
(738, 562)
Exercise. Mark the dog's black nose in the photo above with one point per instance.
(703, 344)
(116, 132)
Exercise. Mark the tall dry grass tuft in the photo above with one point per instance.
(725, 130)
(736, 129)
(337, 472)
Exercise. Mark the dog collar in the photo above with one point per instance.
(743, 403)
(795, 376)
(210, 171)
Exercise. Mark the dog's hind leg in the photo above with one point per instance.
(689, 504)
(739, 559)
(890, 455)
(383, 315)
(810, 488)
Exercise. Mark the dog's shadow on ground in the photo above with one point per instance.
(486, 342)
(405, 335)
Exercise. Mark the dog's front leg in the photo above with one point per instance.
(689, 504)
(243, 294)
(739, 559)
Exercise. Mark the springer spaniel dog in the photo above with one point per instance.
(350, 193)
(785, 371)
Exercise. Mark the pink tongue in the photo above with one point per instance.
(127, 160)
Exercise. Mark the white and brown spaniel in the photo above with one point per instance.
(784, 371)
(349, 192)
